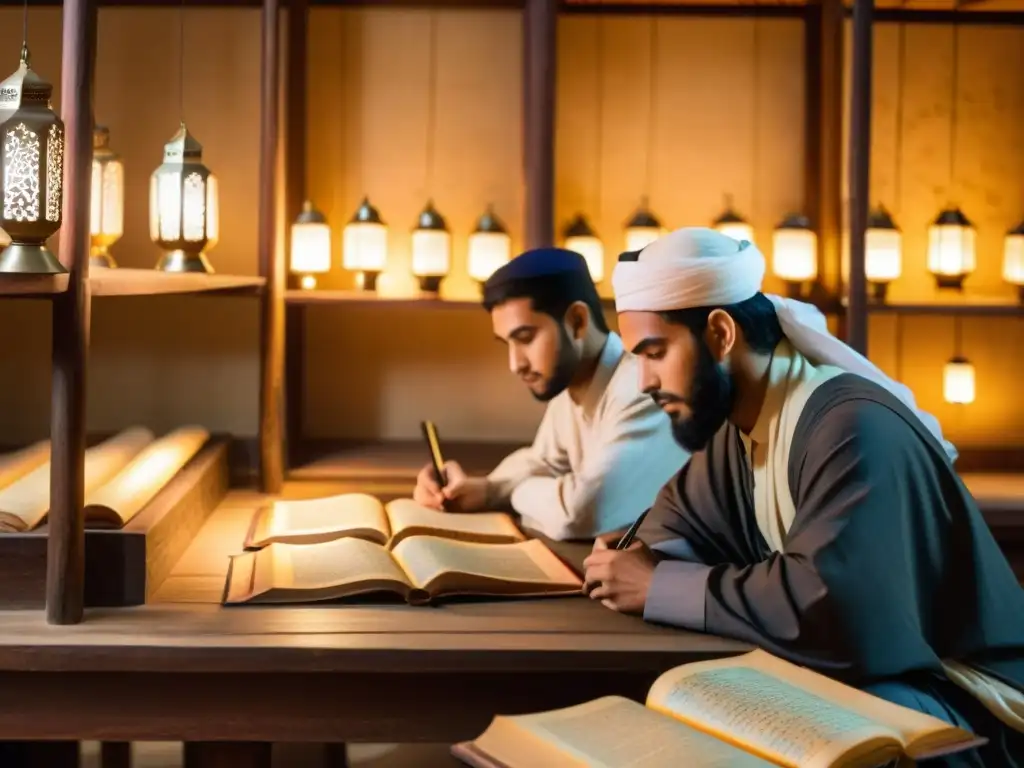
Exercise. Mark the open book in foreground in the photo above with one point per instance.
(122, 475)
(359, 515)
(750, 711)
(419, 569)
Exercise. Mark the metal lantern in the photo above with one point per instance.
(579, 237)
(490, 246)
(951, 249)
(365, 245)
(642, 229)
(733, 225)
(184, 218)
(795, 253)
(883, 252)
(1013, 259)
(310, 251)
(958, 381)
(106, 217)
(431, 249)
(33, 171)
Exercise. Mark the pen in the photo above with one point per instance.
(627, 539)
(430, 435)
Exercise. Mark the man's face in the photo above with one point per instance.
(540, 351)
(680, 372)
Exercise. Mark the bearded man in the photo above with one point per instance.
(603, 449)
(820, 517)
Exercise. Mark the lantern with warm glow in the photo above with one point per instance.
(431, 249)
(489, 246)
(106, 217)
(642, 229)
(795, 253)
(958, 381)
(883, 254)
(184, 213)
(733, 225)
(365, 245)
(579, 237)
(951, 249)
(33, 171)
(1013, 259)
(310, 250)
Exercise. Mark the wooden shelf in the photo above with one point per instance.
(32, 286)
(151, 282)
(981, 306)
(368, 299)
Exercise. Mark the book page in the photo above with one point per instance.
(17, 464)
(330, 564)
(409, 518)
(127, 492)
(29, 498)
(610, 732)
(308, 519)
(425, 558)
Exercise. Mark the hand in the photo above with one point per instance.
(461, 494)
(620, 579)
(609, 540)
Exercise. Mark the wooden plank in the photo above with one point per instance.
(539, 62)
(150, 282)
(32, 286)
(970, 306)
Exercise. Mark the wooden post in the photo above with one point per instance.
(65, 558)
(823, 159)
(540, 18)
(271, 266)
(860, 162)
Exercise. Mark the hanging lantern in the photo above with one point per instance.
(33, 171)
(958, 381)
(431, 249)
(951, 249)
(883, 256)
(643, 229)
(365, 245)
(310, 250)
(489, 246)
(579, 237)
(1013, 259)
(184, 217)
(732, 224)
(795, 253)
(106, 217)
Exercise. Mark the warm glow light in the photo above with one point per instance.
(1013, 258)
(106, 217)
(883, 251)
(795, 250)
(490, 246)
(951, 248)
(365, 245)
(431, 248)
(579, 237)
(310, 251)
(958, 381)
(731, 224)
(642, 229)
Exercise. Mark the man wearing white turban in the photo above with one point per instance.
(820, 517)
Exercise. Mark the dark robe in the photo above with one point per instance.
(887, 568)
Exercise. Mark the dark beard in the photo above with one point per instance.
(710, 401)
(565, 369)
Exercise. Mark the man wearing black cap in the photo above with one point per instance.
(603, 449)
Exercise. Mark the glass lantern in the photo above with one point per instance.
(579, 237)
(365, 245)
(431, 249)
(184, 217)
(106, 216)
(1013, 259)
(310, 251)
(883, 253)
(958, 381)
(33, 172)
(795, 253)
(490, 246)
(731, 224)
(951, 249)
(642, 229)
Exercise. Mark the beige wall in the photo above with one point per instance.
(376, 372)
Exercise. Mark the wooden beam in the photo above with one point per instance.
(272, 266)
(539, 22)
(65, 555)
(860, 161)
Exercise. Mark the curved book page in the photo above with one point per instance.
(411, 519)
(311, 521)
(125, 494)
(16, 464)
(25, 502)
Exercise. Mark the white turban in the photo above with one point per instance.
(700, 267)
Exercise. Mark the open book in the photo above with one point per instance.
(750, 711)
(122, 475)
(358, 515)
(16, 464)
(418, 568)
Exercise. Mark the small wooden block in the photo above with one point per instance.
(227, 754)
(115, 754)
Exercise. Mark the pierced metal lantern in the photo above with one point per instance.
(731, 224)
(642, 229)
(581, 238)
(106, 219)
(364, 247)
(431, 249)
(33, 171)
(490, 246)
(184, 217)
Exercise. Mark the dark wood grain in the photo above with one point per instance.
(539, 62)
(859, 182)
